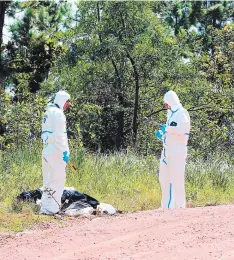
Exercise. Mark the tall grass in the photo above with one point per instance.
(127, 181)
(210, 182)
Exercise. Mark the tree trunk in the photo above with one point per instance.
(120, 143)
(136, 102)
(99, 19)
(2, 17)
(120, 140)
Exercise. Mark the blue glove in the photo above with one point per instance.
(163, 128)
(66, 157)
(159, 134)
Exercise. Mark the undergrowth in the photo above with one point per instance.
(127, 181)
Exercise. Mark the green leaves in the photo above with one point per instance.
(23, 120)
(117, 60)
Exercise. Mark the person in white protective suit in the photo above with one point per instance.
(175, 135)
(55, 154)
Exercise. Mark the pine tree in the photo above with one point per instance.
(35, 42)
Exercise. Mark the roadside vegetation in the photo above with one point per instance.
(129, 182)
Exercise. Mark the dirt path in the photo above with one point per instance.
(199, 233)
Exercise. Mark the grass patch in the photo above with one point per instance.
(127, 181)
(18, 221)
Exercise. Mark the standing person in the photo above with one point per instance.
(55, 154)
(174, 134)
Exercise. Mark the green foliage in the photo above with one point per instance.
(35, 42)
(184, 14)
(124, 71)
(21, 120)
(217, 67)
(117, 60)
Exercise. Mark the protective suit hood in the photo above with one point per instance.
(61, 98)
(172, 100)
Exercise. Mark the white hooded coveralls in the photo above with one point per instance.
(172, 163)
(54, 136)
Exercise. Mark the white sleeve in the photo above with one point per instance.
(60, 132)
(182, 124)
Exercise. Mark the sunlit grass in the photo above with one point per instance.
(129, 182)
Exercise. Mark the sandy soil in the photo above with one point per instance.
(185, 234)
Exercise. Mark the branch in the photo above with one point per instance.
(193, 109)
(208, 107)
(156, 112)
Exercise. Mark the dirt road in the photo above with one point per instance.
(186, 234)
